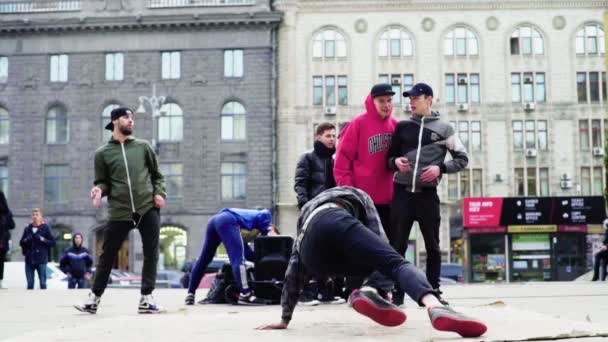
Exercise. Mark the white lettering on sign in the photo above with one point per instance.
(577, 203)
(475, 207)
(531, 203)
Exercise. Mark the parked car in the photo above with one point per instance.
(14, 276)
(169, 278)
(452, 271)
(121, 278)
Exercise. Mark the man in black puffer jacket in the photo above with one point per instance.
(315, 174)
(315, 170)
(76, 262)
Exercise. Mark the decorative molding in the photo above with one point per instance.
(439, 5)
(139, 22)
(115, 6)
(492, 23)
(428, 24)
(361, 26)
(559, 22)
(31, 81)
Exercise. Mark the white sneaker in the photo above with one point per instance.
(90, 304)
(148, 305)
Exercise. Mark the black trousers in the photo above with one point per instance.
(338, 244)
(599, 258)
(2, 259)
(114, 235)
(423, 207)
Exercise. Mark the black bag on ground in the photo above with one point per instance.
(222, 282)
(271, 258)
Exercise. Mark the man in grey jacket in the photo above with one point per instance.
(418, 150)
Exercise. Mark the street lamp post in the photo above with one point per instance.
(155, 103)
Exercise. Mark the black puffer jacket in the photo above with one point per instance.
(314, 173)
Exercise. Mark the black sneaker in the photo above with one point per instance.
(89, 305)
(307, 300)
(368, 303)
(398, 297)
(190, 299)
(441, 300)
(249, 299)
(445, 318)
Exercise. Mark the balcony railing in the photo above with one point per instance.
(198, 3)
(33, 6)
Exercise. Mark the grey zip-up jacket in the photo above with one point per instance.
(425, 141)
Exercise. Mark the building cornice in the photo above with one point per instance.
(433, 5)
(138, 22)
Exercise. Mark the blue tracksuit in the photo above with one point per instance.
(231, 226)
(76, 262)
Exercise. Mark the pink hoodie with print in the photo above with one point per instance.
(362, 152)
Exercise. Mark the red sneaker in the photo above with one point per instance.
(370, 304)
(445, 318)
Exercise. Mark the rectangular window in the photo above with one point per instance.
(543, 181)
(528, 87)
(465, 185)
(476, 135)
(531, 180)
(408, 83)
(330, 48)
(604, 87)
(396, 84)
(540, 94)
(4, 181)
(598, 181)
(583, 131)
(56, 183)
(330, 91)
(383, 78)
(170, 65)
(542, 135)
(518, 135)
(114, 66)
(174, 176)
(586, 180)
(453, 186)
(463, 86)
(449, 88)
(463, 133)
(520, 189)
(3, 69)
(515, 88)
(317, 90)
(477, 183)
(59, 68)
(233, 63)
(596, 133)
(233, 181)
(594, 87)
(342, 90)
(474, 88)
(581, 86)
(530, 134)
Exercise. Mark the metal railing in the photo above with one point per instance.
(198, 3)
(32, 6)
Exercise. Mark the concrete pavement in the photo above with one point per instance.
(512, 312)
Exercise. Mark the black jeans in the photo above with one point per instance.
(2, 259)
(338, 244)
(423, 207)
(599, 258)
(115, 233)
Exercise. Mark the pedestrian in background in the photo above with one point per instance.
(36, 242)
(6, 224)
(76, 262)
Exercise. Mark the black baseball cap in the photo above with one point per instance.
(116, 113)
(419, 89)
(382, 89)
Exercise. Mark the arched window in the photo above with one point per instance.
(105, 119)
(329, 44)
(57, 126)
(590, 40)
(233, 121)
(5, 126)
(395, 42)
(173, 246)
(526, 40)
(460, 41)
(170, 123)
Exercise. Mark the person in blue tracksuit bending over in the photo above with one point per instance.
(229, 226)
(76, 262)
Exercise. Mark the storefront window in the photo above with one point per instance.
(531, 259)
(488, 258)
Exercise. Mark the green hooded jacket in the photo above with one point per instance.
(111, 177)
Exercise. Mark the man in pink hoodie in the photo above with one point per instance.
(363, 150)
(361, 163)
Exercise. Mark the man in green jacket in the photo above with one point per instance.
(126, 170)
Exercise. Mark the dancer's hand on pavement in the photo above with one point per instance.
(402, 164)
(159, 201)
(273, 326)
(96, 196)
(430, 173)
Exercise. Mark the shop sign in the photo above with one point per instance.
(487, 230)
(482, 211)
(572, 229)
(532, 229)
(595, 229)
